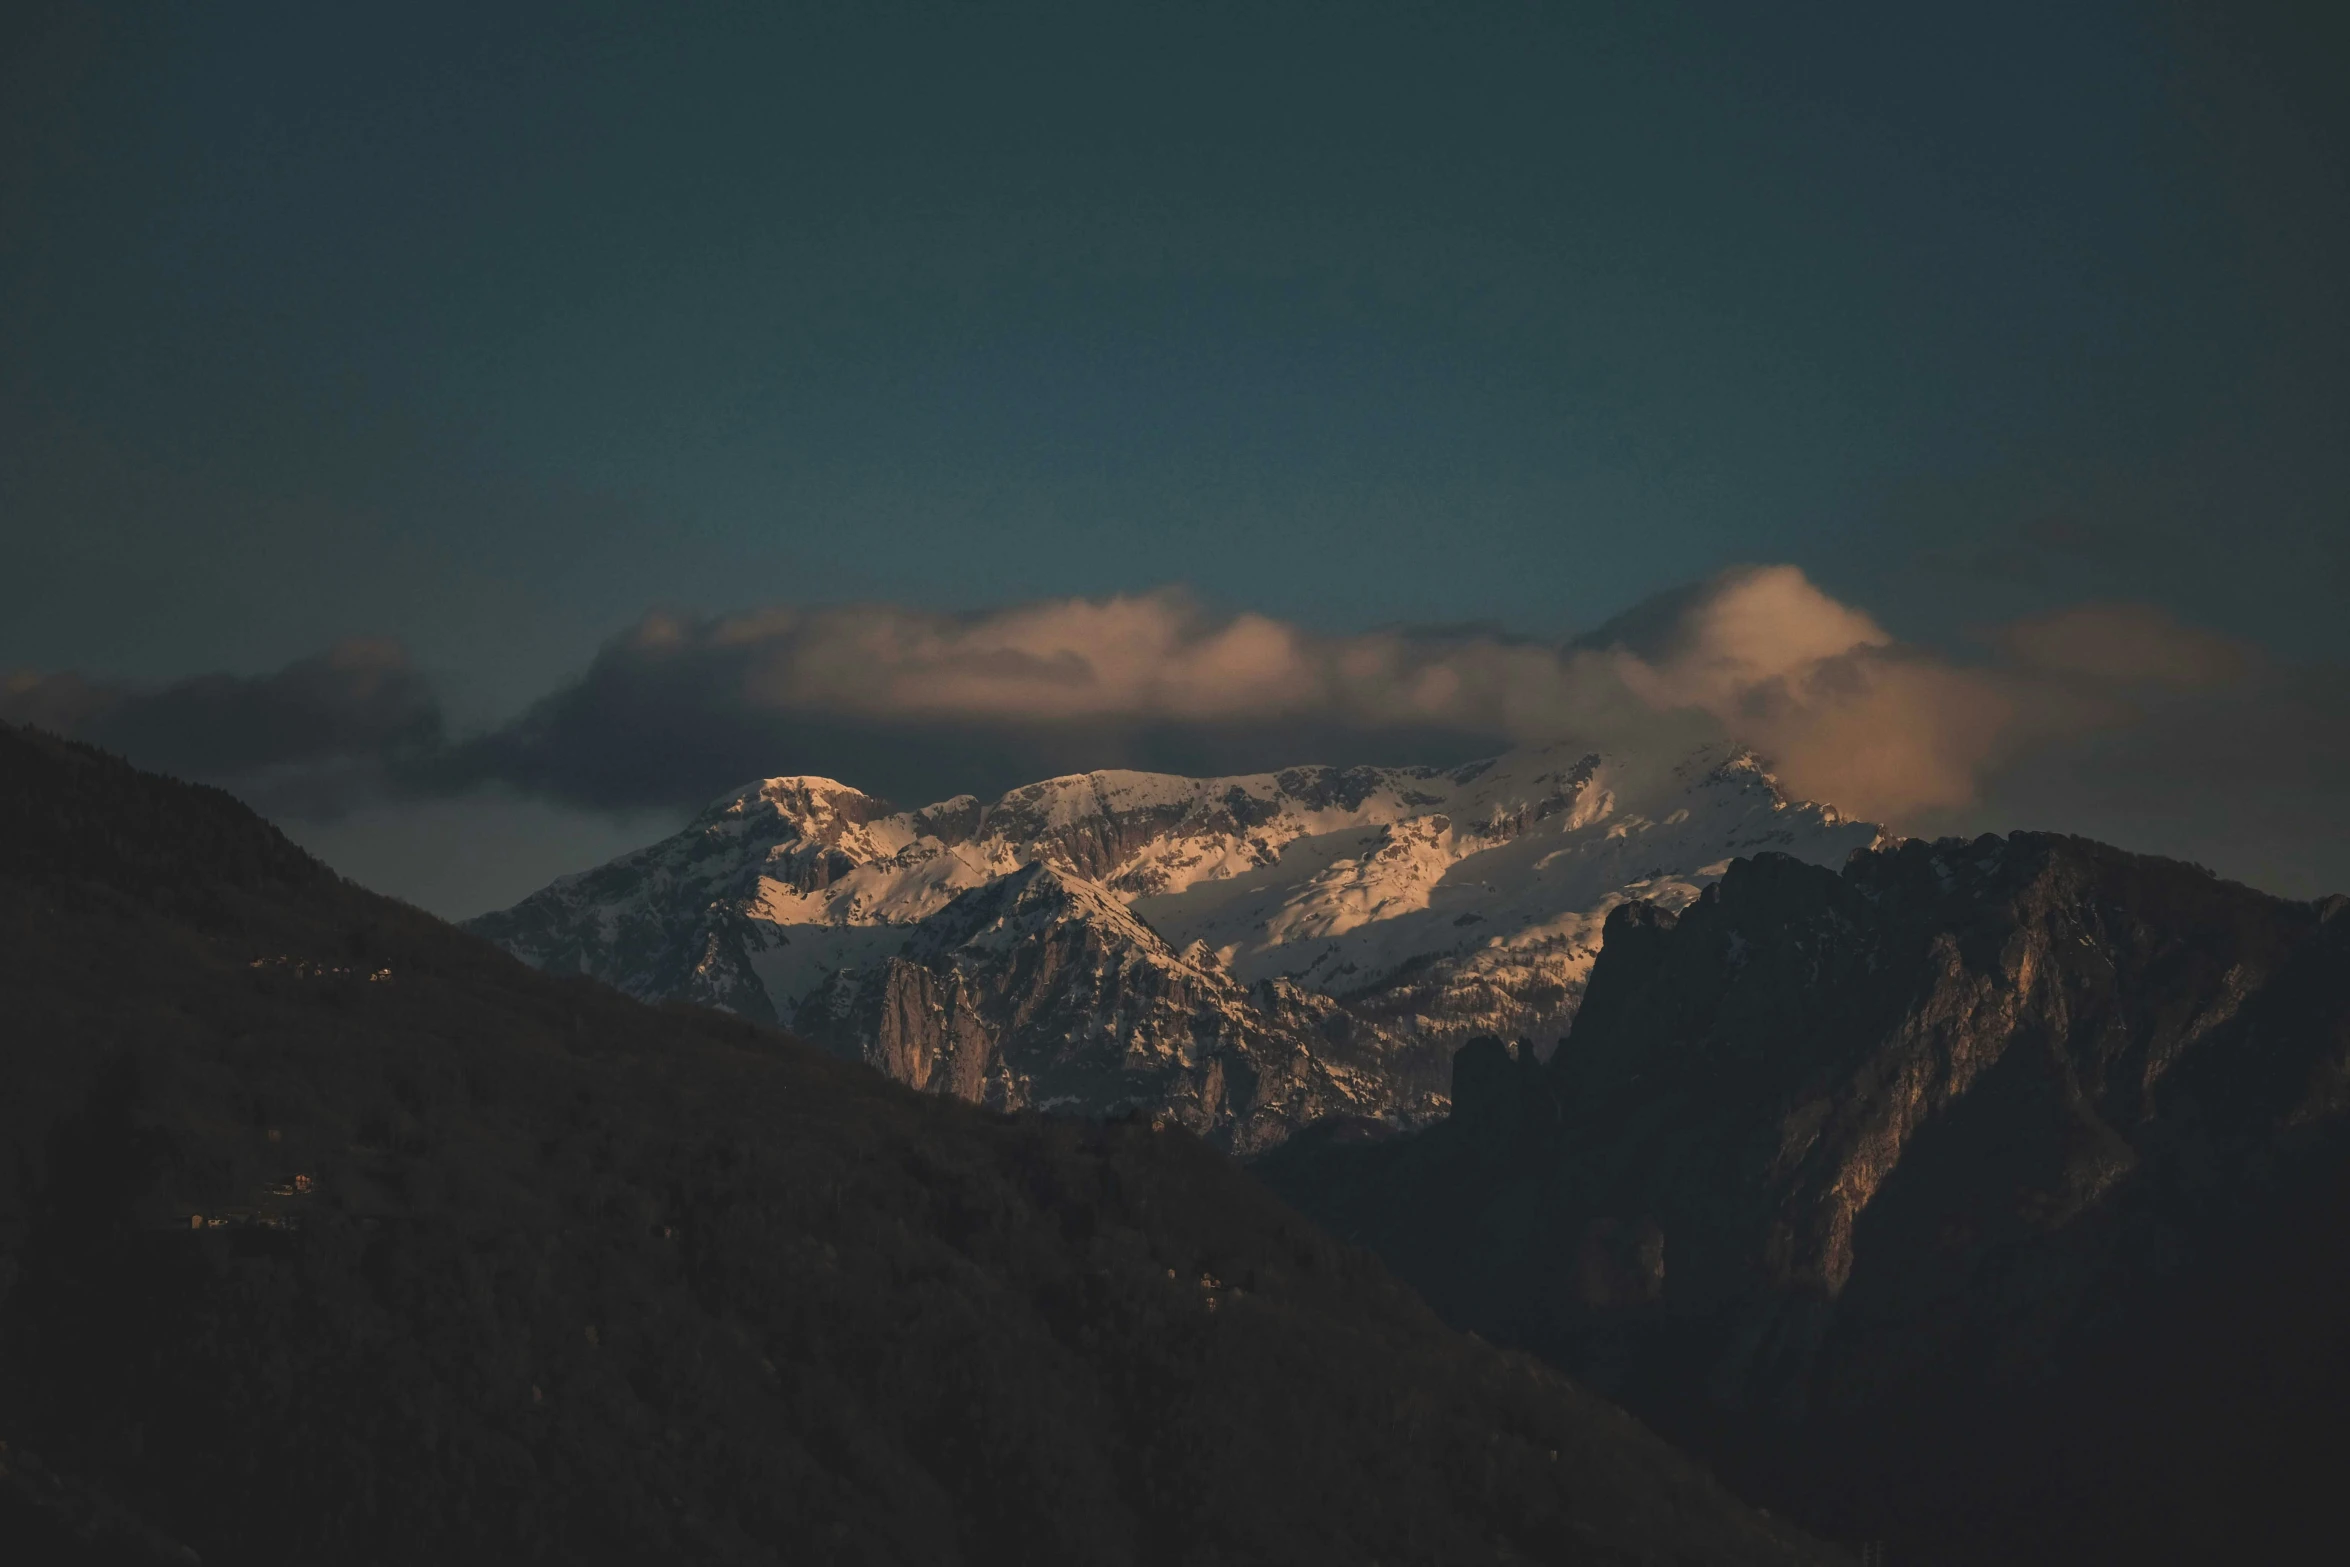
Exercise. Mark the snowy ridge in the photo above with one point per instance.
(1369, 918)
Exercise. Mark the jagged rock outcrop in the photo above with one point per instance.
(1042, 990)
(1351, 925)
(1861, 1181)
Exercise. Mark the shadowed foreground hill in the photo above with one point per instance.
(1990, 1199)
(328, 1233)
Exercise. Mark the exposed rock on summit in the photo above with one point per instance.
(1041, 990)
(1246, 954)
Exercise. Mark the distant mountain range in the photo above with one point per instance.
(1247, 955)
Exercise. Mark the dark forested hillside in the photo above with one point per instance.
(328, 1233)
(1992, 1199)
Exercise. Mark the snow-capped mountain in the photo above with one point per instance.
(1247, 954)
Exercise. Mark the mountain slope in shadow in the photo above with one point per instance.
(1988, 1198)
(328, 1232)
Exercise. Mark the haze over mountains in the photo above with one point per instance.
(1250, 953)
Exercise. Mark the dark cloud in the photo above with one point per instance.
(2127, 647)
(2250, 778)
(309, 739)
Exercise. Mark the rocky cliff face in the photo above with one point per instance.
(1835, 1167)
(1246, 954)
(1042, 990)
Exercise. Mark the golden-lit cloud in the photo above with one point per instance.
(917, 704)
(1760, 654)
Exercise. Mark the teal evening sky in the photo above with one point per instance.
(489, 329)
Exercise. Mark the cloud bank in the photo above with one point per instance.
(2070, 719)
(918, 703)
(303, 742)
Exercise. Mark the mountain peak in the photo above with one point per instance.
(805, 799)
(1417, 906)
(1019, 905)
